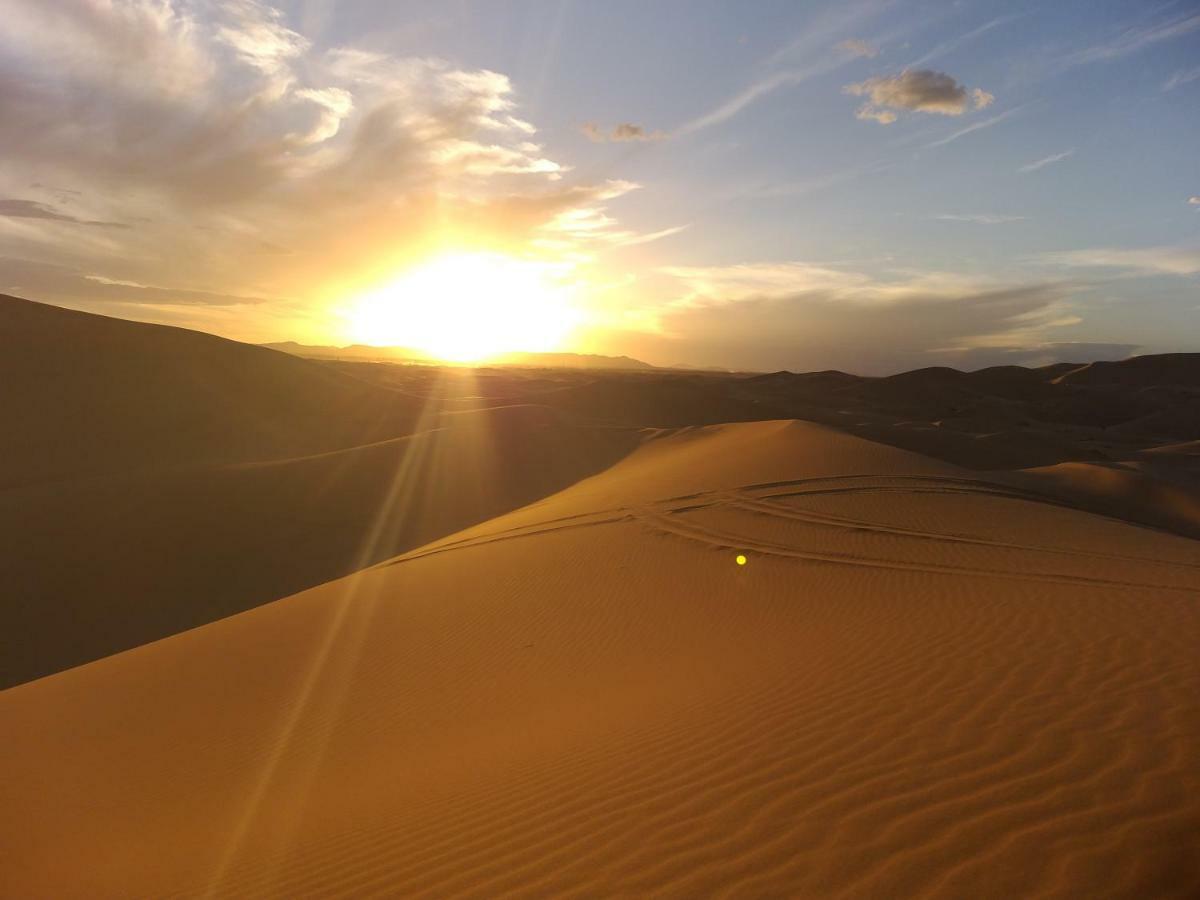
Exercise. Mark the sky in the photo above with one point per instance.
(868, 186)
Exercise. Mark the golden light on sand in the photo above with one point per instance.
(465, 307)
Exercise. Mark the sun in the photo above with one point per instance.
(466, 307)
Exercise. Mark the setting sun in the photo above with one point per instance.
(469, 306)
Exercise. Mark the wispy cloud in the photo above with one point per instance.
(1045, 161)
(1163, 260)
(816, 43)
(749, 95)
(15, 208)
(978, 126)
(955, 43)
(1180, 78)
(980, 218)
(116, 282)
(1135, 38)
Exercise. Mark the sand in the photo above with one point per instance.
(925, 681)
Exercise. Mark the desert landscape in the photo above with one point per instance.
(599, 450)
(929, 676)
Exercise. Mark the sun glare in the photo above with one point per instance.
(466, 307)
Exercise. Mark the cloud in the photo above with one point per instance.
(980, 218)
(1194, 201)
(981, 99)
(1135, 38)
(954, 43)
(100, 279)
(65, 283)
(625, 131)
(1166, 260)
(873, 113)
(257, 34)
(1045, 161)
(803, 316)
(230, 133)
(859, 48)
(917, 90)
(812, 44)
(31, 209)
(978, 126)
(1180, 78)
(744, 98)
(335, 104)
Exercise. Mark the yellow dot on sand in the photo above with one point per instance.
(740, 559)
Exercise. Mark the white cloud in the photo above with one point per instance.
(257, 34)
(335, 103)
(1045, 161)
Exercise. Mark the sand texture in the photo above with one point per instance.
(926, 681)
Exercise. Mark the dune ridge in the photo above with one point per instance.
(924, 682)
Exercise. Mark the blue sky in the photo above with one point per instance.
(867, 186)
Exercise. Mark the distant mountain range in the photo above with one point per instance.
(367, 353)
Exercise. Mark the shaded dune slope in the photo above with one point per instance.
(924, 682)
(99, 565)
(83, 394)
(153, 479)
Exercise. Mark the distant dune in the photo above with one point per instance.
(86, 394)
(924, 681)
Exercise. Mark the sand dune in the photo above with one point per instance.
(924, 682)
(102, 564)
(88, 395)
(1154, 496)
(154, 479)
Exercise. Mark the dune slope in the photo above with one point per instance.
(99, 565)
(922, 683)
(153, 479)
(83, 394)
